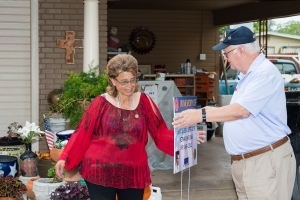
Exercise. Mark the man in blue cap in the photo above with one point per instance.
(255, 129)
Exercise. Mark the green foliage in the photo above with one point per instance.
(11, 187)
(223, 29)
(78, 90)
(291, 27)
(59, 144)
(52, 174)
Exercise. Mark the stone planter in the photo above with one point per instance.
(56, 122)
(43, 188)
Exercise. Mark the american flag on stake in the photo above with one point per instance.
(49, 134)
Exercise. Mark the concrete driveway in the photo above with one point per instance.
(210, 178)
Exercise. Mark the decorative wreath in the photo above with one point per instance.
(142, 40)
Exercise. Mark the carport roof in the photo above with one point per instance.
(225, 11)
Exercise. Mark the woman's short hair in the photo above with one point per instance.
(116, 65)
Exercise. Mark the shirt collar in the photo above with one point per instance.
(259, 59)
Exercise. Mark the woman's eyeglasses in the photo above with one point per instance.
(132, 81)
(226, 53)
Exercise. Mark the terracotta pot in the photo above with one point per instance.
(29, 186)
(55, 153)
(10, 198)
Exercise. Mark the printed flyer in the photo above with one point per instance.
(185, 139)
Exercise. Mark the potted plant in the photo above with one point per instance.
(29, 160)
(57, 149)
(70, 191)
(12, 143)
(70, 176)
(44, 164)
(43, 187)
(13, 129)
(11, 187)
(78, 90)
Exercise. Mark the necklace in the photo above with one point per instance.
(118, 102)
(131, 106)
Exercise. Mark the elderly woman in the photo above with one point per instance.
(111, 138)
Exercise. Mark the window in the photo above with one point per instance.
(286, 68)
(271, 50)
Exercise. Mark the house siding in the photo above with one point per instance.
(15, 65)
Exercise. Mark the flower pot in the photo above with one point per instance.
(29, 187)
(9, 164)
(55, 153)
(26, 179)
(12, 150)
(43, 187)
(65, 134)
(58, 124)
(11, 142)
(9, 198)
(28, 162)
(43, 166)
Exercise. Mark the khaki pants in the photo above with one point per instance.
(269, 176)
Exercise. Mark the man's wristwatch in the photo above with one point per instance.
(203, 115)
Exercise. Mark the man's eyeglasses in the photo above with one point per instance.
(226, 53)
(132, 81)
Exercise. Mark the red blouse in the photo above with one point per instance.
(110, 142)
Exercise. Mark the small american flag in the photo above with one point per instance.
(49, 134)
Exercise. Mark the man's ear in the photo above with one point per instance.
(241, 50)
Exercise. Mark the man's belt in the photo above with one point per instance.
(261, 150)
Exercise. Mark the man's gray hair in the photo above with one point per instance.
(252, 47)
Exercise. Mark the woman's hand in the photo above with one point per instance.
(200, 136)
(59, 168)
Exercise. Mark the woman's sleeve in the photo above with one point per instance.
(81, 138)
(162, 136)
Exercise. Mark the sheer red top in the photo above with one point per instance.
(110, 142)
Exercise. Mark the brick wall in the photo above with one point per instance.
(55, 18)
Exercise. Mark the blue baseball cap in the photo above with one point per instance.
(240, 35)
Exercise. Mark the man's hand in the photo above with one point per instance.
(187, 118)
